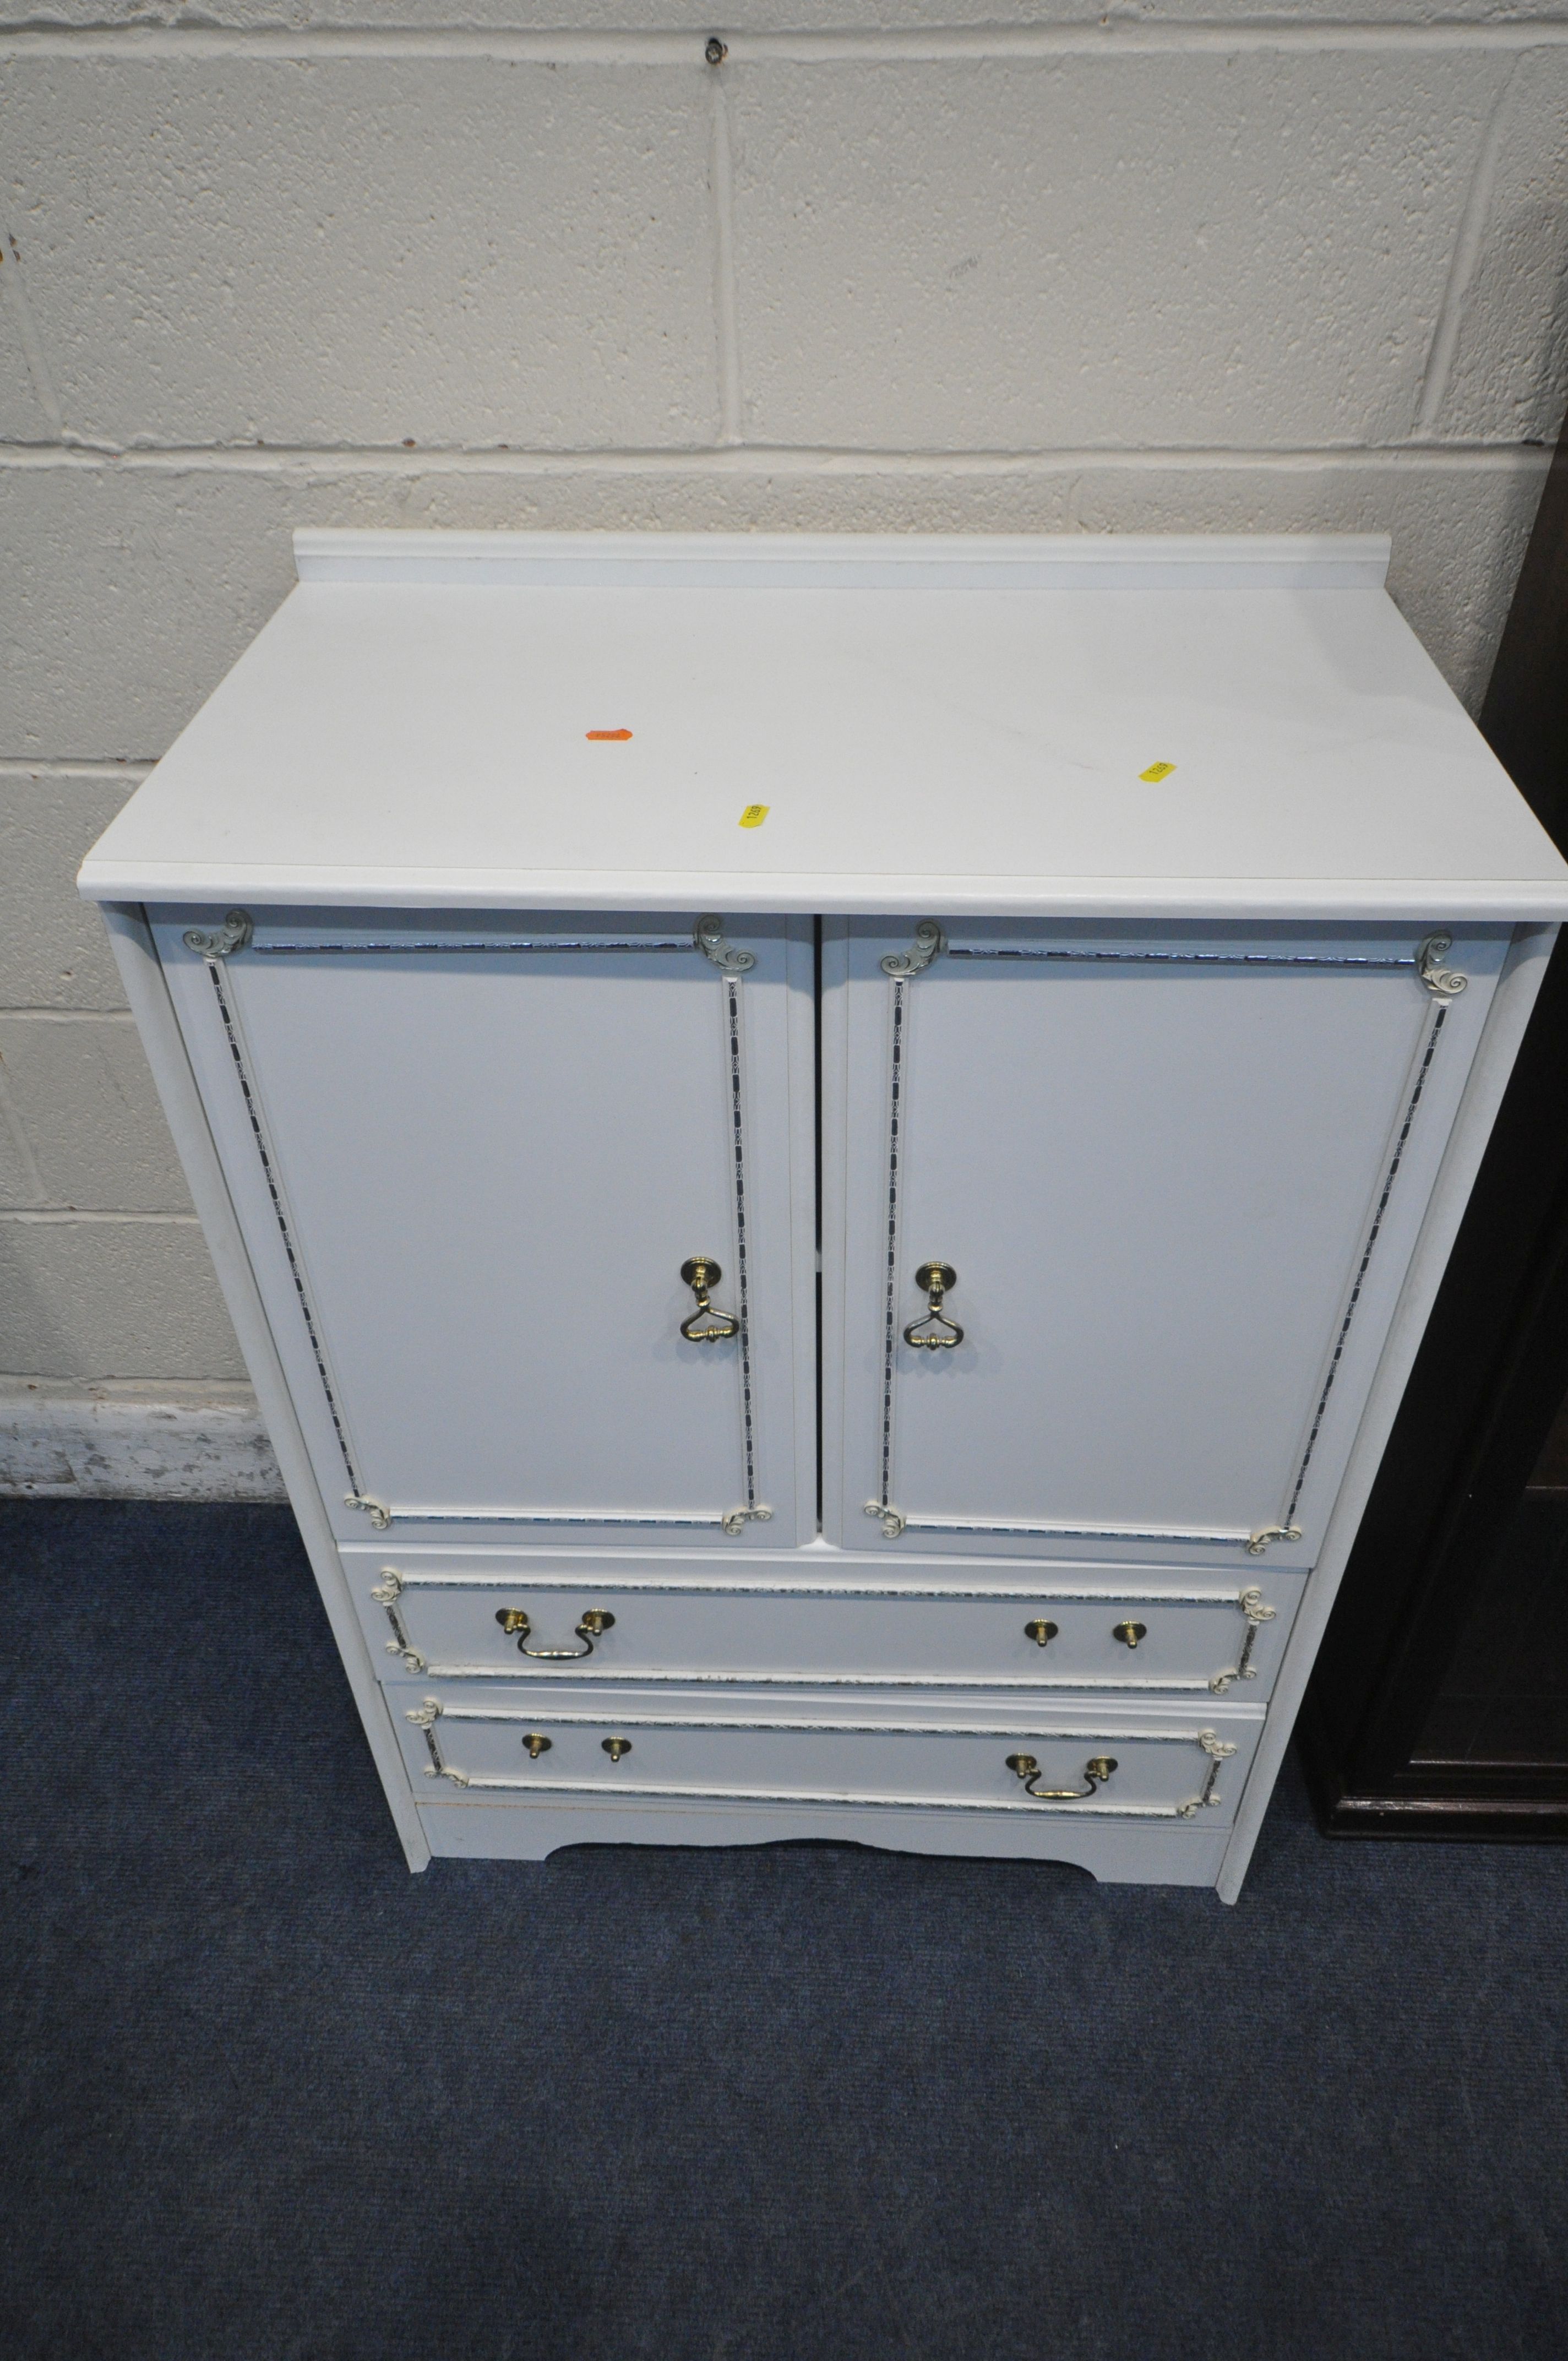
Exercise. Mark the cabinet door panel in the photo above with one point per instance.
(471, 1159)
(1177, 1177)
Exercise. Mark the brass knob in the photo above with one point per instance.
(1130, 1633)
(1040, 1631)
(704, 1325)
(616, 1747)
(536, 1742)
(935, 1277)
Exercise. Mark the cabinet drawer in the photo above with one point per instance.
(1195, 1639)
(1070, 1761)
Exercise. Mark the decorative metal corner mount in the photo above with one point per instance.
(890, 1519)
(232, 936)
(1442, 983)
(380, 1516)
(1257, 1612)
(426, 1717)
(735, 1520)
(708, 936)
(928, 944)
(1218, 1749)
(387, 1593)
(1258, 1541)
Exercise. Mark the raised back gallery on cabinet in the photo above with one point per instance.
(830, 1155)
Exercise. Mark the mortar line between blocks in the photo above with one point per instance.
(57, 1216)
(842, 45)
(755, 458)
(61, 767)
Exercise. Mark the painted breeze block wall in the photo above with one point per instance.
(970, 267)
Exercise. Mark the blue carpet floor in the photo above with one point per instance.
(266, 2095)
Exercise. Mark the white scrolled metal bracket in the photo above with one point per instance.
(709, 936)
(1258, 1541)
(1219, 1749)
(1442, 983)
(233, 935)
(928, 944)
(425, 1718)
(1257, 1611)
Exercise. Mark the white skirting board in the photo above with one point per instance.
(122, 1443)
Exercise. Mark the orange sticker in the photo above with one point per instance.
(1156, 772)
(754, 814)
(609, 737)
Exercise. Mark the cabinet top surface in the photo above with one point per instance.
(510, 721)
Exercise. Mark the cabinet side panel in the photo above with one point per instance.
(147, 993)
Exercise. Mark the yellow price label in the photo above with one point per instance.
(754, 814)
(1156, 772)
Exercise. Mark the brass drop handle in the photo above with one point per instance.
(1129, 1633)
(704, 1325)
(593, 1626)
(536, 1743)
(616, 1747)
(935, 1277)
(1097, 1769)
(1040, 1631)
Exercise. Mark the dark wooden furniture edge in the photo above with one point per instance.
(1480, 1397)
(1421, 1816)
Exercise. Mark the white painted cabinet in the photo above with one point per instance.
(829, 1157)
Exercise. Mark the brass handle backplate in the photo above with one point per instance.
(536, 1743)
(935, 1277)
(595, 1623)
(704, 1325)
(1040, 1631)
(1129, 1633)
(1097, 1769)
(616, 1747)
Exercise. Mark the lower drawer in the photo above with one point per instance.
(1121, 1763)
(448, 1621)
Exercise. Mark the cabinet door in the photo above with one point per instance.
(1176, 1177)
(471, 1158)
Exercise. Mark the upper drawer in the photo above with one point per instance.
(1190, 1639)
